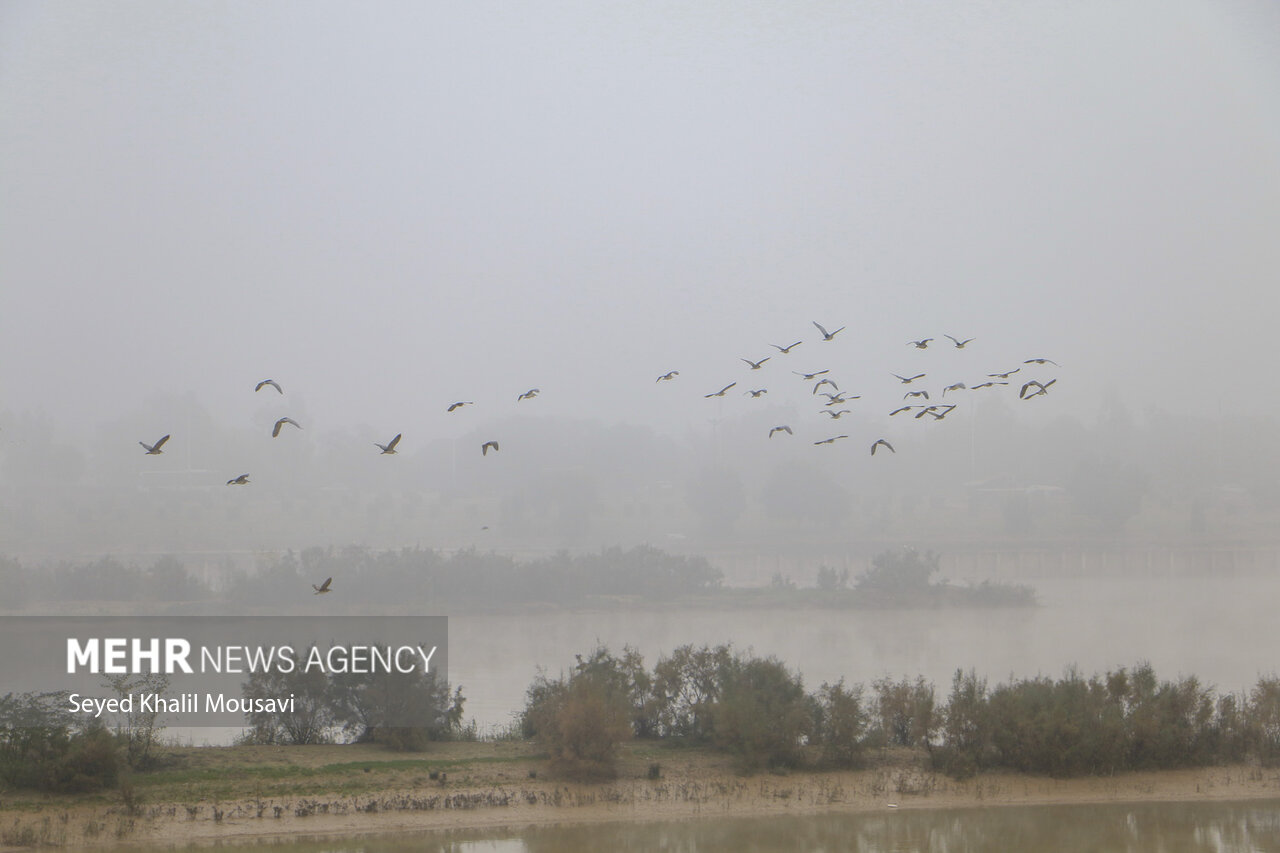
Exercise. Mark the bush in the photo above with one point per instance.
(966, 727)
(904, 712)
(839, 724)
(762, 715)
(686, 686)
(581, 720)
(39, 749)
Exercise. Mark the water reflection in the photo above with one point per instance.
(1123, 828)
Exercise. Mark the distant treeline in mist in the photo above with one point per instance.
(366, 576)
(758, 710)
(472, 578)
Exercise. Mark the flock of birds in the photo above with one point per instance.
(922, 403)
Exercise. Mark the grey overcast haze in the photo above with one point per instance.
(391, 207)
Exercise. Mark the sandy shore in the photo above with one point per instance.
(687, 792)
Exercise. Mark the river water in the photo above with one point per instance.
(1221, 629)
(1115, 828)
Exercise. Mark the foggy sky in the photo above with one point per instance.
(388, 208)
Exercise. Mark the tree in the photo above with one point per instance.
(762, 715)
(312, 715)
(904, 711)
(685, 687)
(840, 721)
(582, 719)
(966, 727)
(140, 726)
(400, 710)
(904, 572)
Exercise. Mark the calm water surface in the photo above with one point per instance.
(1221, 629)
(1142, 828)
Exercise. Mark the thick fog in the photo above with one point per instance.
(390, 209)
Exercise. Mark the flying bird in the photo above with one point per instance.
(668, 376)
(154, 449)
(1004, 375)
(275, 431)
(786, 349)
(835, 415)
(1041, 361)
(1040, 389)
(910, 394)
(826, 336)
(783, 428)
(323, 588)
(755, 365)
(899, 411)
(923, 343)
(274, 384)
(459, 405)
(959, 386)
(242, 480)
(822, 382)
(908, 380)
(880, 442)
(938, 412)
(987, 385)
(959, 343)
(528, 395)
(761, 392)
(831, 440)
(810, 376)
(484, 448)
(390, 446)
(720, 393)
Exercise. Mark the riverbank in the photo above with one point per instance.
(241, 794)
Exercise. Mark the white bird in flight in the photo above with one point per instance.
(274, 384)
(390, 446)
(275, 431)
(720, 393)
(154, 449)
(826, 336)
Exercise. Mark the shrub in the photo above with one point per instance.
(762, 715)
(581, 720)
(839, 724)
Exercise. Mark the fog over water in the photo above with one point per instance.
(389, 210)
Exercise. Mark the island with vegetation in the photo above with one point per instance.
(471, 580)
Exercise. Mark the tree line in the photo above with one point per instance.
(757, 710)
(368, 576)
(900, 577)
